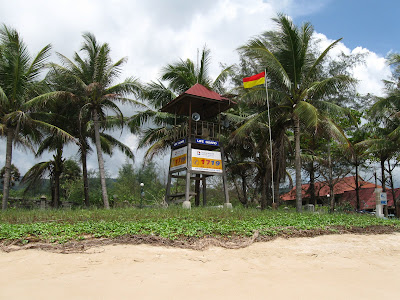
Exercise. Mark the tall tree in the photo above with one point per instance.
(385, 112)
(91, 80)
(22, 95)
(295, 79)
(15, 175)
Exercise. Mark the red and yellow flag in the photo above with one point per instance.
(254, 80)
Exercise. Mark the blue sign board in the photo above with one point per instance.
(383, 198)
(207, 142)
(180, 142)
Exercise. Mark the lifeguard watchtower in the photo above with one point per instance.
(197, 151)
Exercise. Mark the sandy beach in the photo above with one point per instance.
(324, 267)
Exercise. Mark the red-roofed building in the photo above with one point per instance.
(367, 198)
(344, 191)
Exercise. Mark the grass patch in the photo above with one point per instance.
(60, 226)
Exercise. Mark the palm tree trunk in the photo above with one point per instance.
(276, 193)
(296, 129)
(100, 159)
(263, 191)
(53, 191)
(7, 167)
(277, 179)
(332, 193)
(311, 189)
(85, 174)
(244, 188)
(58, 169)
(392, 186)
(385, 207)
(357, 190)
(197, 190)
(239, 193)
(56, 200)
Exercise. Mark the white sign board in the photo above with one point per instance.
(206, 161)
(178, 158)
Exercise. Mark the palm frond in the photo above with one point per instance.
(38, 63)
(258, 50)
(42, 100)
(66, 137)
(158, 94)
(158, 147)
(313, 70)
(218, 84)
(307, 113)
(121, 146)
(3, 99)
(35, 174)
(328, 86)
(255, 122)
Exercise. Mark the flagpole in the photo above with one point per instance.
(270, 140)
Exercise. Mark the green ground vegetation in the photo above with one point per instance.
(60, 226)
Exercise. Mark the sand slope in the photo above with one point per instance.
(325, 267)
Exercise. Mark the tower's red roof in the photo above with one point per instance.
(198, 99)
(201, 91)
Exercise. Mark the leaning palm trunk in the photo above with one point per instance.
(7, 167)
(100, 159)
(296, 130)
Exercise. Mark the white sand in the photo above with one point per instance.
(326, 267)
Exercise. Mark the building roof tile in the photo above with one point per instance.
(322, 188)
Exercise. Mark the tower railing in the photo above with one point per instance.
(200, 129)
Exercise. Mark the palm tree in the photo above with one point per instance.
(295, 81)
(385, 113)
(15, 175)
(383, 147)
(179, 76)
(68, 112)
(91, 81)
(21, 96)
(53, 167)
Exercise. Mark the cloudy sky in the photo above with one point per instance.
(153, 33)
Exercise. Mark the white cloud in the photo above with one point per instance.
(154, 32)
(369, 74)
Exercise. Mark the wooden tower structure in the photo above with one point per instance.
(197, 150)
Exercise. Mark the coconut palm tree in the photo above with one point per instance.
(91, 80)
(387, 109)
(296, 84)
(53, 167)
(15, 175)
(68, 112)
(22, 95)
(385, 113)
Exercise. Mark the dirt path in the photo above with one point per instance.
(324, 267)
